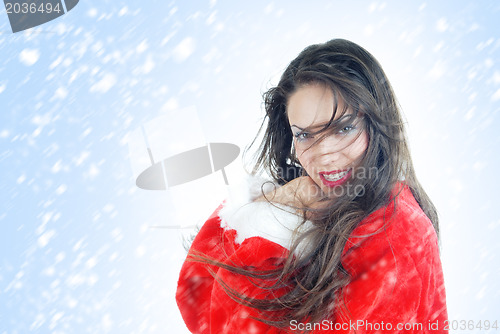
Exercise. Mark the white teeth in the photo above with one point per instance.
(335, 177)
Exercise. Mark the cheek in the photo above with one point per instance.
(306, 159)
(359, 146)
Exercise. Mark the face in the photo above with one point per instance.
(329, 162)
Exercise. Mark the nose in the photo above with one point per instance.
(328, 151)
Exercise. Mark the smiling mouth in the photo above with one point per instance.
(334, 178)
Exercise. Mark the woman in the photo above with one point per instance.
(344, 239)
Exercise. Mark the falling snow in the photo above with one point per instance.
(29, 56)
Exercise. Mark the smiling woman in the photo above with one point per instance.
(330, 161)
(327, 245)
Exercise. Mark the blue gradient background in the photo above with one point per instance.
(79, 251)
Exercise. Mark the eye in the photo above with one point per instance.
(302, 136)
(346, 129)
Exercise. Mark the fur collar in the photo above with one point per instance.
(274, 222)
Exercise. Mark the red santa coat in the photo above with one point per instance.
(396, 285)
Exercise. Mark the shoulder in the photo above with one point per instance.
(409, 228)
(401, 219)
(399, 232)
(393, 261)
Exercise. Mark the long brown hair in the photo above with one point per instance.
(315, 279)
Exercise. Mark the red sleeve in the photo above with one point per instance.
(195, 280)
(397, 281)
(204, 305)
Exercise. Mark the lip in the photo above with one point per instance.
(334, 183)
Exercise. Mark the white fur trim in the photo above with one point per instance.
(274, 222)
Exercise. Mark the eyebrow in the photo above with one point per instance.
(298, 127)
(319, 125)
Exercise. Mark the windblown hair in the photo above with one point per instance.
(314, 280)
